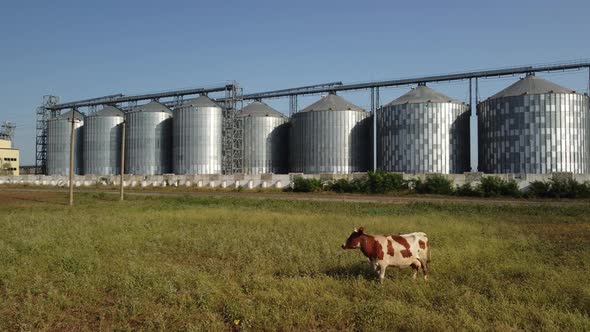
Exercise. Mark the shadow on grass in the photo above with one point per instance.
(360, 269)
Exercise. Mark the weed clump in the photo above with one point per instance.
(434, 184)
(303, 185)
(559, 187)
(494, 186)
(467, 189)
(380, 182)
(358, 185)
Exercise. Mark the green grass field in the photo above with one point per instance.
(181, 263)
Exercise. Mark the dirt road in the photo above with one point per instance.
(7, 192)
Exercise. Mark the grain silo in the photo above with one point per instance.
(266, 139)
(423, 131)
(148, 140)
(534, 126)
(330, 136)
(102, 141)
(197, 137)
(58, 143)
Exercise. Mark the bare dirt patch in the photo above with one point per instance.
(31, 197)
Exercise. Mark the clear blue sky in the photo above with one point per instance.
(81, 49)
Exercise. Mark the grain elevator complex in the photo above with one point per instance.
(533, 126)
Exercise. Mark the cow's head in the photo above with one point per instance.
(354, 240)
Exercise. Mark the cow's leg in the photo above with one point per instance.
(415, 267)
(382, 268)
(373, 263)
(424, 268)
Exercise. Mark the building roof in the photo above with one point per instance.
(201, 101)
(260, 109)
(68, 116)
(108, 111)
(422, 94)
(531, 85)
(6, 144)
(332, 102)
(153, 106)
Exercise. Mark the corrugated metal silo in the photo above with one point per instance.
(423, 131)
(197, 137)
(534, 126)
(148, 140)
(58, 143)
(330, 136)
(102, 141)
(266, 139)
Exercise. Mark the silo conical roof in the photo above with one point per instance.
(201, 101)
(422, 94)
(68, 116)
(260, 109)
(332, 102)
(153, 106)
(531, 85)
(108, 111)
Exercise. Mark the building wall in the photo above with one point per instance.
(9, 157)
(534, 134)
(266, 141)
(424, 138)
(330, 142)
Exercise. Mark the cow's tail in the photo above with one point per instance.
(428, 251)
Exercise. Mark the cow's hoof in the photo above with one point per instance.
(426, 278)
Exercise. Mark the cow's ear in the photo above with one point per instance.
(361, 230)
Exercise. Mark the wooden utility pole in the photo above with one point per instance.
(122, 159)
(72, 141)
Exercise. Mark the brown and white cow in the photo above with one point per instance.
(396, 250)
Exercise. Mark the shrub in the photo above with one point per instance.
(358, 185)
(434, 184)
(559, 187)
(492, 186)
(562, 187)
(510, 188)
(568, 188)
(467, 190)
(582, 190)
(340, 186)
(539, 189)
(380, 182)
(303, 185)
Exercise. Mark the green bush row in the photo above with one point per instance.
(490, 186)
(380, 182)
(374, 183)
(559, 188)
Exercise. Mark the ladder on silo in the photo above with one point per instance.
(232, 145)
(43, 114)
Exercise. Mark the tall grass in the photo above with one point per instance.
(183, 263)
